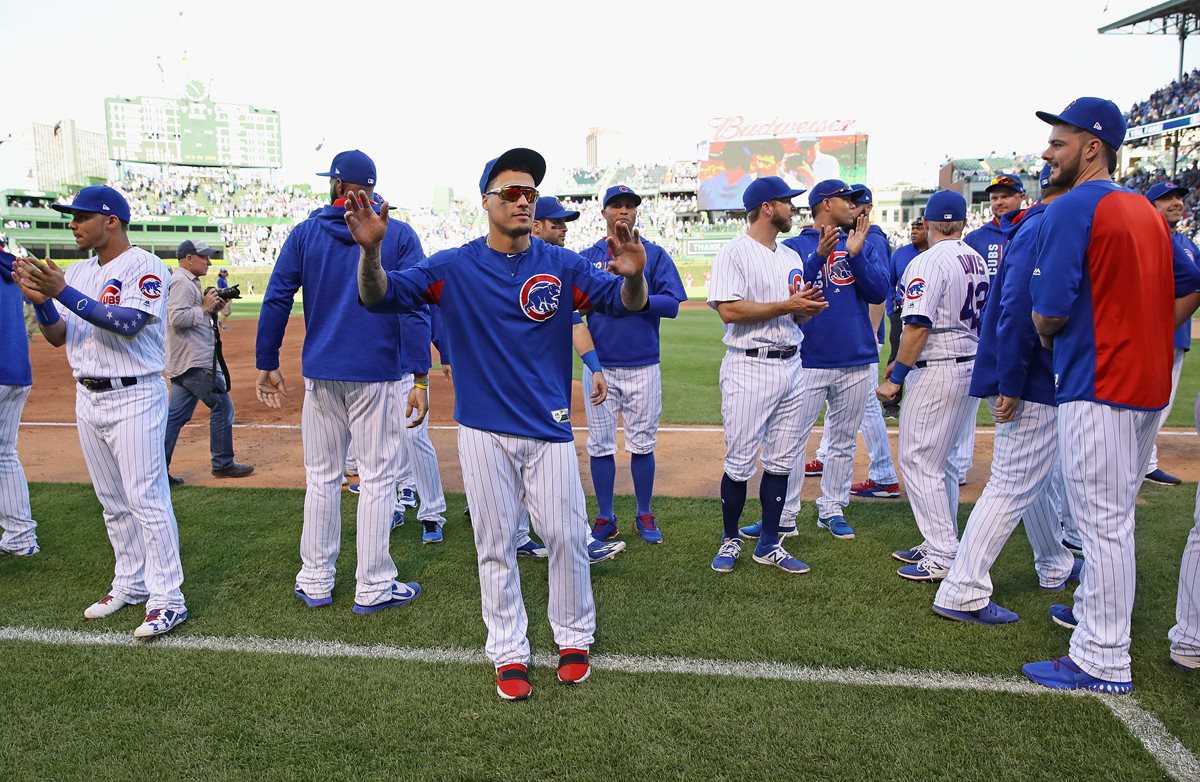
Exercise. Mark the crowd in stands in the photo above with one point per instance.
(1178, 99)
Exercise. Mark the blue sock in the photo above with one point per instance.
(733, 500)
(771, 493)
(641, 465)
(604, 475)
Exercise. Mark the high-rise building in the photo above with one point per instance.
(603, 147)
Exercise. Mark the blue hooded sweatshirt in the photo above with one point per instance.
(14, 342)
(990, 239)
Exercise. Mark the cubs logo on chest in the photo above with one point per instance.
(110, 293)
(837, 268)
(539, 297)
(795, 281)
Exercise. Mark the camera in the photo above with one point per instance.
(225, 294)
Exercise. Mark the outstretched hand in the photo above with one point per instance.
(858, 234)
(628, 252)
(44, 280)
(366, 227)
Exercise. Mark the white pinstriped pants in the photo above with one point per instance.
(1104, 451)
(16, 518)
(373, 415)
(121, 433)
(635, 393)
(501, 474)
(936, 405)
(419, 462)
(1023, 462)
(1185, 635)
(1176, 373)
(882, 469)
(760, 405)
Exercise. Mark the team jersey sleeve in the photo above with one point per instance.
(415, 336)
(728, 281)
(277, 301)
(1016, 337)
(666, 280)
(1061, 255)
(1187, 274)
(924, 288)
(870, 272)
(143, 287)
(412, 288)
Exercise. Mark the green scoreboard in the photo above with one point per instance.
(192, 131)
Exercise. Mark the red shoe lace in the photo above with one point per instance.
(648, 521)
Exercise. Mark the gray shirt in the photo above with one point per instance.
(190, 337)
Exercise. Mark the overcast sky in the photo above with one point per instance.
(431, 90)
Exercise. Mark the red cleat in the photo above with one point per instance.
(813, 468)
(512, 682)
(573, 666)
(870, 488)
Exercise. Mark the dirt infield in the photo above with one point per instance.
(688, 457)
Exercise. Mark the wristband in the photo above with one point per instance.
(422, 384)
(591, 360)
(46, 313)
(899, 372)
(76, 302)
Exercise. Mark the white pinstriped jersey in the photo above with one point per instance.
(134, 279)
(948, 284)
(745, 270)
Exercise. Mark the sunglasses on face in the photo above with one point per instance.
(513, 193)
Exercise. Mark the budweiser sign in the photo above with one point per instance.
(737, 126)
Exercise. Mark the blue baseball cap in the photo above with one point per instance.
(1163, 189)
(1097, 116)
(1011, 181)
(549, 208)
(352, 166)
(621, 190)
(98, 199)
(946, 206)
(832, 188)
(513, 159)
(768, 188)
(1044, 177)
(864, 195)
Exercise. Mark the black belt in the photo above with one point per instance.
(105, 384)
(959, 360)
(765, 353)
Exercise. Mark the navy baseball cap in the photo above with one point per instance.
(549, 208)
(1162, 189)
(1097, 116)
(1011, 181)
(621, 190)
(946, 206)
(832, 188)
(190, 247)
(518, 158)
(768, 188)
(1044, 177)
(98, 199)
(352, 166)
(864, 195)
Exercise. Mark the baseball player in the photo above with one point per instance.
(225, 311)
(16, 377)
(109, 311)
(1185, 635)
(418, 458)
(945, 289)
(1014, 373)
(1103, 295)
(838, 350)
(346, 394)
(918, 243)
(758, 289)
(1167, 198)
(506, 304)
(628, 352)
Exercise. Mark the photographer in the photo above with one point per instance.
(194, 362)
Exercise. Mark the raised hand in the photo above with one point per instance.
(628, 253)
(269, 388)
(41, 278)
(858, 234)
(366, 227)
(828, 240)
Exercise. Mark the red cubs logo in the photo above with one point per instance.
(915, 290)
(110, 293)
(795, 281)
(837, 268)
(539, 296)
(150, 286)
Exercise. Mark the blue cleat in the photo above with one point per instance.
(354, 488)
(837, 527)
(647, 527)
(23, 551)
(406, 498)
(532, 549)
(159, 621)
(1064, 674)
(990, 614)
(778, 557)
(604, 528)
(314, 602)
(754, 531)
(727, 555)
(432, 531)
(924, 570)
(1163, 478)
(910, 556)
(401, 595)
(1063, 615)
(1072, 578)
(600, 550)
(397, 517)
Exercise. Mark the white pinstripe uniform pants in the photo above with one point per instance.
(1185, 635)
(1023, 460)
(882, 469)
(121, 432)
(1176, 373)
(16, 517)
(936, 405)
(373, 415)
(504, 474)
(419, 461)
(1104, 452)
(962, 458)
(635, 393)
(845, 390)
(760, 405)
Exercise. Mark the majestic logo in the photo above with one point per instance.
(837, 268)
(110, 293)
(150, 286)
(539, 296)
(795, 280)
(915, 290)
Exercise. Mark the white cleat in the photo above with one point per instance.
(107, 606)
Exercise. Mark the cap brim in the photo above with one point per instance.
(1055, 119)
(210, 252)
(990, 188)
(615, 196)
(520, 157)
(66, 209)
(570, 216)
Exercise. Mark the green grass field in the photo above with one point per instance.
(151, 711)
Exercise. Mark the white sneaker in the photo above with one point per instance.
(1188, 662)
(107, 606)
(159, 621)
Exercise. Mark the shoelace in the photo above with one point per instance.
(648, 521)
(153, 615)
(730, 548)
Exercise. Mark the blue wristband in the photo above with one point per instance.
(46, 313)
(899, 372)
(76, 302)
(591, 360)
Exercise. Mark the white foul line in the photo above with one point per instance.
(1164, 747)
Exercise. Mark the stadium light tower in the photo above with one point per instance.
(1180, 18)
